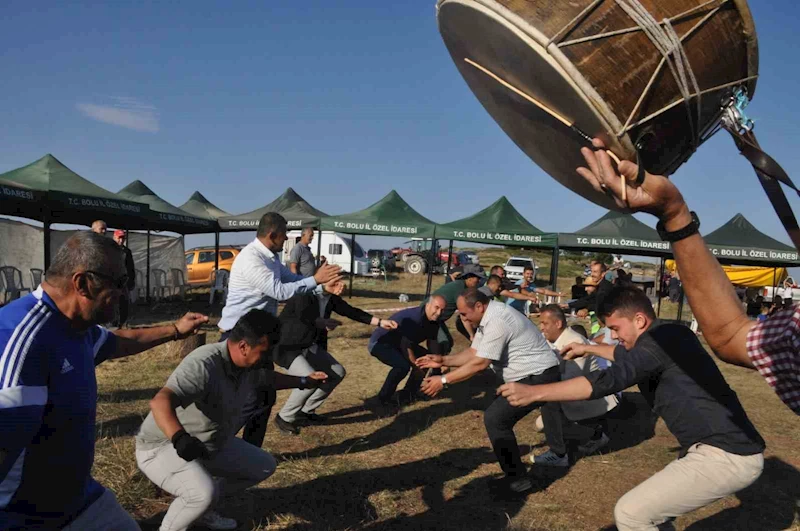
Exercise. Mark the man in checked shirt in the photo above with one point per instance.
(772, 346)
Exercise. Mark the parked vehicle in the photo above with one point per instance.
(200, 263)
(515, 265)
(381, 257)
(335, 248)
(768, 292)
(472, 257)
(423, 254)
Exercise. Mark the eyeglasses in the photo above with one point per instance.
(116, 283)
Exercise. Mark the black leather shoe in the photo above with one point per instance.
(311, 418)
(287, 427)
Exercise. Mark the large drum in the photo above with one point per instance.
(612, 67)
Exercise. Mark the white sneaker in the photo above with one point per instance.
(214, 520)
(594, 445)
(549, 458)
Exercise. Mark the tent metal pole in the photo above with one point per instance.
(319, 245)
(46, 221)
(449, 258)
(147, 269)
(352, 261)
(216, 252)
(554, 269)
(659, 285)
(433, 256)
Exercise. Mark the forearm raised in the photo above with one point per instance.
(712, 298)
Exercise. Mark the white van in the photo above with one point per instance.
(335, 249)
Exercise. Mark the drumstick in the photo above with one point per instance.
(552, 113)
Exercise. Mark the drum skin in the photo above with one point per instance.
(597, 84)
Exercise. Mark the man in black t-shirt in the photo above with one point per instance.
(721, 452)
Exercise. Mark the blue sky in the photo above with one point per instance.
(341, 100)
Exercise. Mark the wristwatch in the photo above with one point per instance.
(692, 228)
(303, 382)
(444, 382)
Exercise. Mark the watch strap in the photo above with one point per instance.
(692, 228)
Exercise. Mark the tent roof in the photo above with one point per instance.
(199, 206)
(499, 223)
(71, 198)
(738, 241)
(391, 216)
(297, 211)
(617, 232)
(166, 216)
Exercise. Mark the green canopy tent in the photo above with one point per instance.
(165, 216)
(500, 224)
(197, 205)
(62, 196)
(19, 200)
(617, 233)
(390, 216)
(739, 242)
(297, 211)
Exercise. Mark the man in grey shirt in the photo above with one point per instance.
(199, 412)
(516, 350)
(301, 259)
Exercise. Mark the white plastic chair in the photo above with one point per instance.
(12, 279)
(141, 285)
(160, 289)
(221, 285)
(36, 277)
(179, 282)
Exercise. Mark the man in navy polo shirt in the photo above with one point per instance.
(399, 348)
(50, 344)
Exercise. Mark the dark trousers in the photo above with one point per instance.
(394, 357)
(255, 429)
(501, 417)
(123, 311)
(445, 339)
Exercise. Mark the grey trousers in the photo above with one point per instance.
(198, 484)
(105, 513)
(308, 400)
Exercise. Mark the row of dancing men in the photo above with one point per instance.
(51, 342)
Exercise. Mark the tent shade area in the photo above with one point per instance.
(500, 224)
(738, 241)
(165, 216)
(69, 197)
(390, 216)
(618, 233)
(297, 211)
(197, 205)
(18, 200)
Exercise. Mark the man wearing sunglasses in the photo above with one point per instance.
(50, 343)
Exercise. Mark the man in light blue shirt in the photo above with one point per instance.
(527, 286)
(260, 281)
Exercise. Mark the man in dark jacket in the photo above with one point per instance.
(591, 301)
(303, 349)
(120, 236)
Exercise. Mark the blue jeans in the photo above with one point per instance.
(394, 357)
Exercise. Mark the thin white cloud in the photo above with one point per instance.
(129, 113)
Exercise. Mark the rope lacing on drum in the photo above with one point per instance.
(667, 42)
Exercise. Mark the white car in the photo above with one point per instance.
(515, 265)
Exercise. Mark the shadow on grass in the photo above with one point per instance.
(770, 504)
(128, 395)
(353, 499)
(633, 424)
(474, 396)
(125, 426)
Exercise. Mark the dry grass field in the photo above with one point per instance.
(427, 466)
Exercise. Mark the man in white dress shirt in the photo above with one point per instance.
(260, 281)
